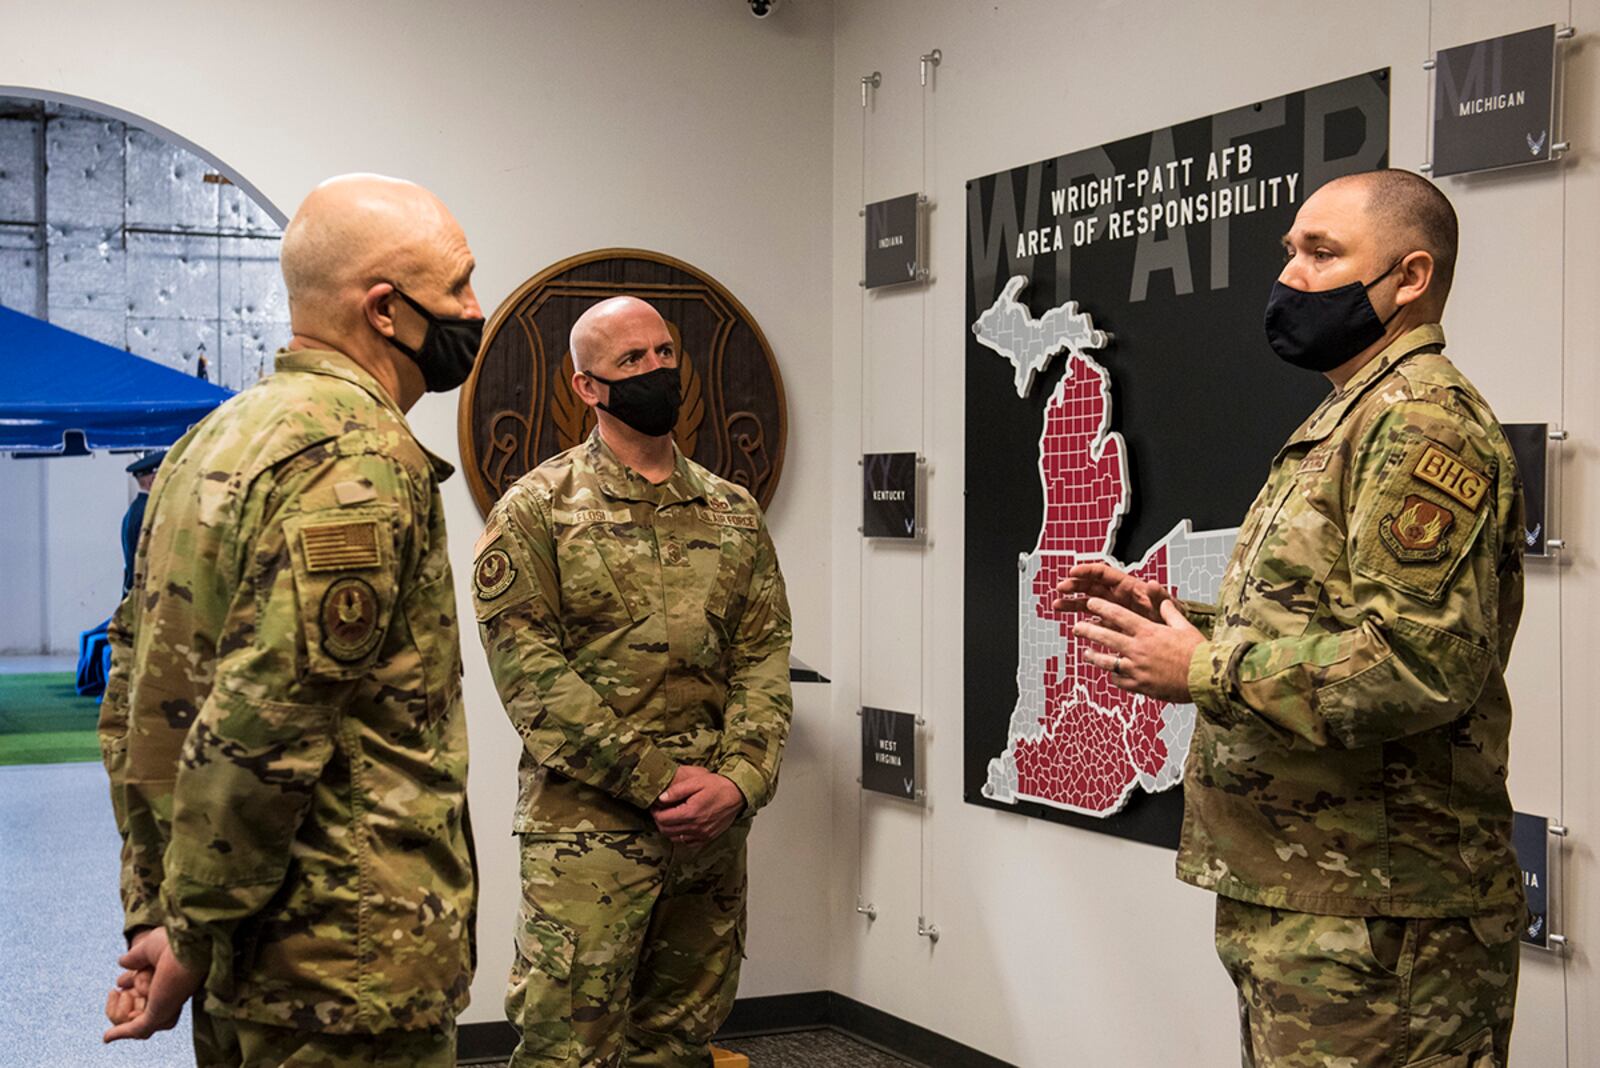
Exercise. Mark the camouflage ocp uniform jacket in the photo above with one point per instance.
(631, 628)
(283, 727)
(1350, 756)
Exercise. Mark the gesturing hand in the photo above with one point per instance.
(1084, 581)
(697, 807)
(170, 986)
(1145, 657)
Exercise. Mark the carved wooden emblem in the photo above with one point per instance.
(519, 408)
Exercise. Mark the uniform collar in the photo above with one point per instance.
(624, 483)
(338, 365)
(1321, 422)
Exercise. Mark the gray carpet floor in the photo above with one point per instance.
(803, 1049)
(63, 924)
(811, 1049)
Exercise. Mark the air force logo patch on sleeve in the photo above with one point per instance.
(1418, 533)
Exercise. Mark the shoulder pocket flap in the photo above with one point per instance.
(501, 579)
(1420, 527)
(344, 575)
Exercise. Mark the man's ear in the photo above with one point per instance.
(377, 304)
(585, 388)
(1416, 277)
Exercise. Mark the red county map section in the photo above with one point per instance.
(1075, 741)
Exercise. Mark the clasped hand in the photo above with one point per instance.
(152, 989)
(1145, 641)
(697, 807)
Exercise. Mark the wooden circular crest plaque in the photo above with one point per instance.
(519, 408)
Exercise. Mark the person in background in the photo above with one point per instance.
(143, 471)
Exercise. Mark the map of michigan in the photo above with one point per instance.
(1075, 741)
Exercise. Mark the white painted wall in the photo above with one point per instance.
(549, 128)
(60, 548)
(1062, 947)
(683, 125)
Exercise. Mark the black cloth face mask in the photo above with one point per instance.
(1321, 330)
(449, 348)
(648, 403)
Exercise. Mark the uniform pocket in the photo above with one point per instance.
(725, 601)
(1390, 943)
(600, 588)
(1475, 1052)
(540, 997)
(1288, 566)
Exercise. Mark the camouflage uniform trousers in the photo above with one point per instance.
(1377, 992)
(628, 948)
(220, 1042)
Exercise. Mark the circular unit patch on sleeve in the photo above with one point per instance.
(493, 574)
(349, 619)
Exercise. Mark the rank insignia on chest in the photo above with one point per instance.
(1445, 472)
(1417, 533)
(349, 619)
(341, 546)
(493, 574)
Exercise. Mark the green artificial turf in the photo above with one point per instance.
(44, 721)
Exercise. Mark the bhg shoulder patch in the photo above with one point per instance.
(1450, 474)
(1426, 513)
(349, 619)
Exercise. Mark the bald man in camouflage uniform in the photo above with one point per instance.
(636, 625)
(1345, 793)
(284, 729)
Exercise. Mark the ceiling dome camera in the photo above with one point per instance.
(762, 8)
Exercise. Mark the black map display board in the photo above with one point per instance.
(1494, 102)
(1116, 294)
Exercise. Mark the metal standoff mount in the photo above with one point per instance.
(927, 930)
(869, 910)
(871, 81)
(933, 58)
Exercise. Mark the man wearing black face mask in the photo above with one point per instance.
(284, 730)
(1345, 792)
(636, 625)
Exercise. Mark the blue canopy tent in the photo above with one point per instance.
(62, 393)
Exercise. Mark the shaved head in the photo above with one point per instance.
(1409, 213)
(370, 263)
(355, 230)
(599, 329)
